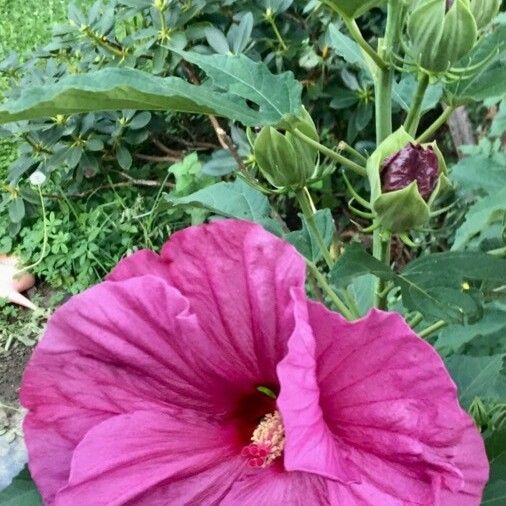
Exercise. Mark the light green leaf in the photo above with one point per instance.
(306, 243)
(404, 90)
(486, 211)
(238, 81)
(21, 492)
(477, 377)
(232, 200)
(346, 47)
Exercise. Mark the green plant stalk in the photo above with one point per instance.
(308, 212)
(440, 121)
(355, 167)
(352, 151)
(383, 110)
(355, 32)
(415, 111)
(338, 303)
(432, 328)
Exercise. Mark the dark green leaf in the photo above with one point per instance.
(477, 377)
(21, 492)
(356, 262)
(495, 492)
(306, 243)
(140, 120)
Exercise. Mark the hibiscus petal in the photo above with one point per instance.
(310, 445)
(237, 278)
(241, 277)
(386, 395)
(118, 347)
(273, 486)
(151, 458)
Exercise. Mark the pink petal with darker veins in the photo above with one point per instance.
(132, 458)
(391, 405)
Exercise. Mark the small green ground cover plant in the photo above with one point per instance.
(140, 118)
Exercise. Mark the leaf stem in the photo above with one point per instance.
(270, 19)
(432, 328)
(352, 151)
(381, 251)
(413, 117)
(440, 121)
(355, 32)
(355, 167)
(339, 304)
(307, 209)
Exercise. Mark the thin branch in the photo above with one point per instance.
(157, 159)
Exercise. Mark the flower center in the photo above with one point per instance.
(267, 441)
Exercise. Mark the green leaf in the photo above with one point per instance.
(452, 338)
(306, 243)
(232, 200)
(346, 47)
(486, 211)
(481, 172)
(16, 209)
(356, 262)
(237, 80)
(21, 492)
(217, 40)
(477, 377)
(239, 35)
(495, 492)
(404, 90)
(124, 157)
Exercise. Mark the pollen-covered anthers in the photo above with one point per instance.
(268, 441)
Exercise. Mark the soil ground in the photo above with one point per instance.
(12, 364)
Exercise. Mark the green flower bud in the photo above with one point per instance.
(484, 11)
(441, 32)
(405, 179)
(352, 8)
(285, 160)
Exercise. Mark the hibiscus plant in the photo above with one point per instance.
(251, 364)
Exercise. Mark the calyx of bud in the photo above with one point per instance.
(285, 160)
(405, 178)
(440, 33)
(484, 11)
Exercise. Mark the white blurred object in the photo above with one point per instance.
(13, 281)
(13, 454)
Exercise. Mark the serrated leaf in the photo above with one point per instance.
(486, 211)
(477, 377)
(21, 492)
(306, 243)
(237, 80)
(232, 200)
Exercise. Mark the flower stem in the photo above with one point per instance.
(307, 209)
(355, 167)
(339, 304)
(355, 32)
(413, 117)
(432, 328)
(429, 133)
(383, 110)
(381, 251)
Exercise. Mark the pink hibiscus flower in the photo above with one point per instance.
(204, 376)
